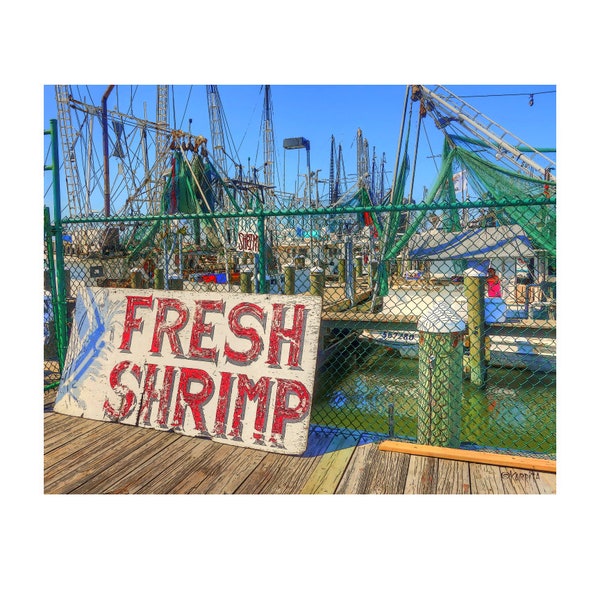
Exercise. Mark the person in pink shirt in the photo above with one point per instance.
(493, 284)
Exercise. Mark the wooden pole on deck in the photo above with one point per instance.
(289, 280)
(440, 376)
(475, 291)
(246, 272)
(317, 281)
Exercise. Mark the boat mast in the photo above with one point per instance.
(162, 141)
(68, 141)
(452, 108)
(268, 138)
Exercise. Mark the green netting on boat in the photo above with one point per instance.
(506, 187)
(536, 212)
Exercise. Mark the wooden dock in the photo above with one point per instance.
(83, 456)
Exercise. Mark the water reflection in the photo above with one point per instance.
(516, 410)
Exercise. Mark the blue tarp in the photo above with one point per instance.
(505, 241)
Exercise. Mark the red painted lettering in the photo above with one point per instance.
(128, 397)
(283, 413)
(151, 394)
(200, 328)
(194, 400)
(131, 323)
(161, 326)
(247, 390)
(294, 335)
(223, 404)
(256, 346)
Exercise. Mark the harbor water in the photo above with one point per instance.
(372, 388)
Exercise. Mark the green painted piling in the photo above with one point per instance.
(358, 266)
(246, 279)
(342, 270)
(176, 283)
(289, 280)
(440, 377)
(373, 265)
(135, 278)
(475, 292)
(317, 281)
(159, 279)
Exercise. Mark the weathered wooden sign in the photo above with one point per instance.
(238, 368)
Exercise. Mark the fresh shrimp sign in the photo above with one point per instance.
(237, 368)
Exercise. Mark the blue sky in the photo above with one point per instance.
(318, 112)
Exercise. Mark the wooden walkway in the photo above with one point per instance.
(83, 456)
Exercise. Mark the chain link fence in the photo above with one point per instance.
(381, 367)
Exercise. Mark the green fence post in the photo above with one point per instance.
(474, 291)
(52, 280)
(61, 316)
(440, 377)
(262, 254)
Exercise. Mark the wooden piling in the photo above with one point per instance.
(176, 283)
(135, 278)
(289, 280)
(246, 273)
(358, 266)
(440, 377)
(475, 292)
(159, 279)
(317, 281)
(342, 270)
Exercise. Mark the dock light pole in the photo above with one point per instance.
(105, 96)
(296, 144)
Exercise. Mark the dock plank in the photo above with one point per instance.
(190, 458)
(373, 472)
(422, 475)
(227, 475)
(486, 479)
(83, 446)
(83, 456)
(286, 474)
(65, 433)
(518, 481)
(546, 483)
(135, 475)
(209, 467)
(121, 470)
(330, 468)
(88, 462)
(453, 477)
